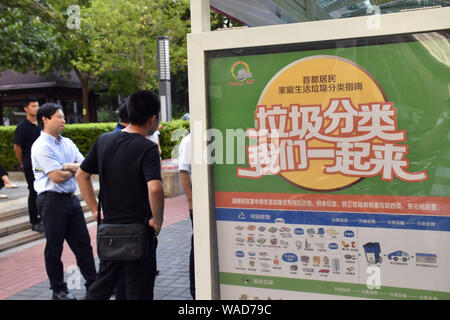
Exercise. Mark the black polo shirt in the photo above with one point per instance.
(129, 162)
(25, 135)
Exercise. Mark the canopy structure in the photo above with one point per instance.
(16, 88)
(254, 13)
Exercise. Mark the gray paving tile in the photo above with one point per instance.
(172, 260)
(174, 298)
(28, 293)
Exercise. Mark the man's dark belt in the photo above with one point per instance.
(58, 194)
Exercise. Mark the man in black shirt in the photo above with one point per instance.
(26, 133)
(132, 192)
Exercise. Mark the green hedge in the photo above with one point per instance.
(172, 130)
(7, 157)
(84, 135)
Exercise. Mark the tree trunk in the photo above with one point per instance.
(84, 79)
(85, 91)
(143, 73)
(1, 114)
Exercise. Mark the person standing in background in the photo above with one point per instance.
(25, 135)
(131, 191)
(5, 182)
(184, 165)
(123, 117)
(155, 138)
(55, 161)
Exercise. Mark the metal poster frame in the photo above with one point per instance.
(203, 45)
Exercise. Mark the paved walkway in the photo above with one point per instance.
(23, 275)
(15, 194)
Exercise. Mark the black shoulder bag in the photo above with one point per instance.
(119, 242)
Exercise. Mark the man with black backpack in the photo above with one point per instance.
(131, 193)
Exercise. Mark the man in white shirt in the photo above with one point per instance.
(55, 161)
(184, 165)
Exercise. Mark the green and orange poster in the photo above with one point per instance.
(334, 179)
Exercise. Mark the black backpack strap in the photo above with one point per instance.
(106, 140)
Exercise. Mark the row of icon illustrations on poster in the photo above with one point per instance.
(372, 252)
(312, 251)
(328, 264)
(280, 237)
(321, 232)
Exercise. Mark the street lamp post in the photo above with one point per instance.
(164, 78)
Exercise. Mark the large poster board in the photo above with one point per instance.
(331, 168)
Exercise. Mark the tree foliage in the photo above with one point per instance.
(28, 42)
(125, 36)
(115, 42)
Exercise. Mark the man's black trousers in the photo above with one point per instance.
(2, 173)
(64, 220)
(32, 195)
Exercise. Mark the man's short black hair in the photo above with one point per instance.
(142, 105)
(47, 110)
(29, 100)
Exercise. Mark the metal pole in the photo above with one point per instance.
(164, 78)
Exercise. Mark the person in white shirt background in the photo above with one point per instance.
(184, 165)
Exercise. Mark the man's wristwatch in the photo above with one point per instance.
(64, 166)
